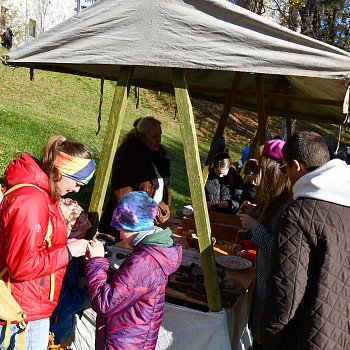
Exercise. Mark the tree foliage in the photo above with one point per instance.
(10, 16)
(325, 20)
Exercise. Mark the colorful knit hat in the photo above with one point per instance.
(135, 212)
(79, 169)
(273, 149)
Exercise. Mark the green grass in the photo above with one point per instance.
(62, 104)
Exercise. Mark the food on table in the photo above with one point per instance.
(233, 262)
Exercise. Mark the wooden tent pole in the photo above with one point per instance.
(287, 115)
(269, 106)
(289, 127)
(222, 123)
(110, 142)
(252, 146)
(196, 183)
(260, 109)
(259, 136)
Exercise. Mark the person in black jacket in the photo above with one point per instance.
(223, 188)
(140, 164)
(8, 35)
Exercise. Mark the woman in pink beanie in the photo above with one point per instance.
(272, 198)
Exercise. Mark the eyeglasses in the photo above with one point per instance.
(283, 168)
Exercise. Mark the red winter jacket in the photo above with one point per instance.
(24, 217)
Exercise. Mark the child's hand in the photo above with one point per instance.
(77, 247)
(95, 249)
(242, 253)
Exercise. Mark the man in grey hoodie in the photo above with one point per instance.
(308, 301)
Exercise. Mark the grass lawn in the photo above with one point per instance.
(62, 104)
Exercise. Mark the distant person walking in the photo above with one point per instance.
(8, 35)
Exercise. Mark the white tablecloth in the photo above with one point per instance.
(183, 328)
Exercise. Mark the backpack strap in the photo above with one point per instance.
(47, 236)
(20, 318)
(49, 244)
(15, 187)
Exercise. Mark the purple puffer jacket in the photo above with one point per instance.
(130, 302)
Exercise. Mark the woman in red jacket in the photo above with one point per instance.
(35, 266)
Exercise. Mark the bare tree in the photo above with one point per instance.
(43, 7)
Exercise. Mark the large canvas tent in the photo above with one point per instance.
(208, 49)
(212, 39)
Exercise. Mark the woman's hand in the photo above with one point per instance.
(95, 249)
(248, 222)
(235, 248)
(247, 208)
(77, 247)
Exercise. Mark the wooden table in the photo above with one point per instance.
(236, 316)
(244, 277)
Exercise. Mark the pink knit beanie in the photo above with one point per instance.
(273, 149)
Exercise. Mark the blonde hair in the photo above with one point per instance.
(48, 156)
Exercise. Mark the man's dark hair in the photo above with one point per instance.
(306, 147)
(222, 160)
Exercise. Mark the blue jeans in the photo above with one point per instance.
(36, 335)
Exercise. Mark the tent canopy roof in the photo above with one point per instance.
(213, 39)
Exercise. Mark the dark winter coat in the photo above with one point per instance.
(129, 302)
(133, 171)
(248, 193)
(73, 297)
(308, 297)
(227, 188)
(263, 237)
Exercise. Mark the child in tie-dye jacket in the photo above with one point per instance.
(129, 302)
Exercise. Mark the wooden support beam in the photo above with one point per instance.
(287, 112)
(260, 108)
(289, 127)
(109, 147)
(149, 84)
(303, 99)
(196, 183)
(222, 123)
(269, 107)
(252, 146)
(300, 115)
